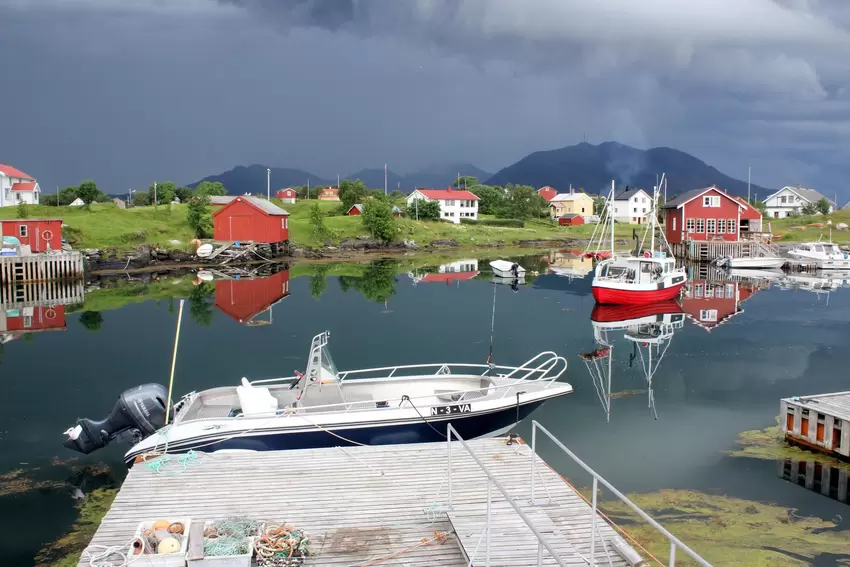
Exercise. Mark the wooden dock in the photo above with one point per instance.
(710, 250)
(18, 295)
(41, 267)
(820, 422)
(373, 505)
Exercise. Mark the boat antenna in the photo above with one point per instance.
(174, 361)
(492, 328)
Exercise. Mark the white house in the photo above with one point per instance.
(631, 206)
(454, 204)
(791, 200)
(17, 187)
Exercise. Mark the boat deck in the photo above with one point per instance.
(361, 504)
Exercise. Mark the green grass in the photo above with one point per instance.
(103, 225)
(783, 232)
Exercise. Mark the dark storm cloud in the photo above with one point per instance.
(128, 91)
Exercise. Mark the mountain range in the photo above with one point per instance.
(584, 166)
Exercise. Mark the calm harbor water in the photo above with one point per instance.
(740, 347)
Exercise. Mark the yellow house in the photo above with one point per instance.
(570, 263)
(577, 203)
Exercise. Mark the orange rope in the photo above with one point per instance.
(610, 521)
(438, 537)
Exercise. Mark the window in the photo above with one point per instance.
(674, 223)
(731, 226)
(710, 228)
(730, 290)
(783, 199)
(721, 226)
(700, 226)
(644, 209)
(709, 291)
(708, 314)
(711, 201)
(27, 321)
(582, 209)
(283, 223)
(22, 231)
(698, 290)
(450, 203)
(776, 214)
(689, 225)
(634, 210)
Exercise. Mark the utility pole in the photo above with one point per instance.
(308, 188)
(385, 179)
(337, 181)
(268, 184)
(154, 196)
(749, 177)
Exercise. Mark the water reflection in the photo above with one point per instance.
(452, 272)
(28, 309)
(571, 264)
(243, 297)
(831, 482)
(711, 298)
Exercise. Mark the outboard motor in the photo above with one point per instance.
(138, 413)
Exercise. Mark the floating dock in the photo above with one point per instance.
(832, 482)
(417, 505)
(820, 422)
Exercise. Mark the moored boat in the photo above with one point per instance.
(505, 269)
(754, 262)
(825, 255)
(326, 407)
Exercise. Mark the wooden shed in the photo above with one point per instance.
(243, 299)
(355, 210)
(287, 195)
(40, 235)
(251, 219)
(570, 219)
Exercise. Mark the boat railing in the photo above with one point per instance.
(674, 542)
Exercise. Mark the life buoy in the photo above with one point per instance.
(47, 235)
(50, 313)
(647, 254)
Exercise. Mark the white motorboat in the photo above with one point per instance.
(325, 407)
(755, 262)
(770, 275)
(505, 269)
(825, 255)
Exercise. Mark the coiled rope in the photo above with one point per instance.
(438, 538)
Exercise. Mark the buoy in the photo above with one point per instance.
(168, 545)
(160, 525)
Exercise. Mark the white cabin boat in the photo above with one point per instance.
(325, 407)
(825, 255)
(755, 262)
(505, 269)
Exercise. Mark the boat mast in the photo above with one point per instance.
(653, 214)
(611, 214)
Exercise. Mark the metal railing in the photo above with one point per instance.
(597, 479)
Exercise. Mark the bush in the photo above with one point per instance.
(199, 215)
(506, 223)
(378, 218)
(420, 209)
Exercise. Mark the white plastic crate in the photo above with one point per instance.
(177, 559)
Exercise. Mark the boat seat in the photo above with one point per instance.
(255, 400)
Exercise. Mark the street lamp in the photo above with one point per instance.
(269, 184)
(130, 197)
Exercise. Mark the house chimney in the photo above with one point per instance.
(798, 185)
(571, 188)
(449, 188)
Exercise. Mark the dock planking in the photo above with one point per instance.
(359, 504)
(821, 422)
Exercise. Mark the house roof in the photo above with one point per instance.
(29, 220)
(221, 199)
(445, 194)
(10, 171)
(627, 194)
(287, 190)
(24, 186)
(566, 197)
(357, 206)
(749, 212)
(265, 206)
(809, 195)
(680, 200)
(569, 216)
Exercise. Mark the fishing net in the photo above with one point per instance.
(281, 545)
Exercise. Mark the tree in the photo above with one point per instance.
(491, 199)
(22, 212)
(210, 188)
(91, 320)
(465, 182)
(351, 192)
(320, 232)
(376, 284)
(599, 204)
(522, 202)
(200, 307)
(319, 281)
(141, 199)
(809, 209)
(183, 193)
(823, 206)
(87, 191)
(199, 217)
(420, 209)
(67, 195)
(164, 192)
(378, 218)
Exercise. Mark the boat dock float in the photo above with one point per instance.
(820, 422)
(485, 502)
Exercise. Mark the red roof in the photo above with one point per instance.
(749, 212)
(23, 186)
(444, 194)
(10, 171)
(449, 277)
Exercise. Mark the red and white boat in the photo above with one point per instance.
(636, 280)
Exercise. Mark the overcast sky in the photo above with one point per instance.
(127, 91)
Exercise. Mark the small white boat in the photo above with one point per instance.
(505, 269)
(825, 255)
(756, 262)
(325, 407)
(770, 275)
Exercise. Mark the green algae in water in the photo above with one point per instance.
(66, 551)
(769, 444)
(729, 531)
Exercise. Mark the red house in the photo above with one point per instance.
(287, 195)
(16, 322)
(547, 193)
(710, 304)
(570, 219)
(251, 219)
(40, 234)
(705, 214)
(242, 300)
(355, 210)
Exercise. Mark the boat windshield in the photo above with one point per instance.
(328, 366)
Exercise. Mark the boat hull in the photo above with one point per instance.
(756, 263)
(620, 313)
(619, 296)
(427, 429)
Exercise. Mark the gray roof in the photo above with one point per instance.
(397, 210)
(627, 194)
(569, 216)
(684, 197)
(221, 199)
(357, 206)
(267, 206)
(809, 195)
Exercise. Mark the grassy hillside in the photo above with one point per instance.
(803, 232)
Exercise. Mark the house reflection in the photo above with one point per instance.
(453, 272)
(647, 331)
(831, 482)
(712, 296)
(569, 263)
(36, 307)
(245, 296)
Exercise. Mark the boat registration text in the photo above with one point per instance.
(446, 410)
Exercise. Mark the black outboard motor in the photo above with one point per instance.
(138, 413)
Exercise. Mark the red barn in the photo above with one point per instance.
(40, 234)
(703, 214)
(710, 304)
(287, 195)
(547, 193)
(243, 300)
(570, 219)
(251, 219)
